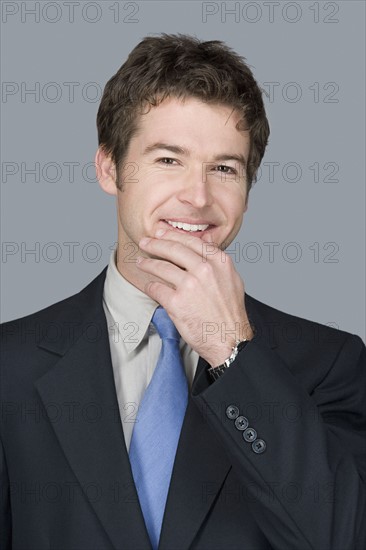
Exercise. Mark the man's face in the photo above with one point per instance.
(184, 170)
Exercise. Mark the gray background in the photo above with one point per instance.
(308, 44)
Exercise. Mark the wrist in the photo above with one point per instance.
(217, 371)
(219, 348)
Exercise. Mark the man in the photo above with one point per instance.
(116, 434)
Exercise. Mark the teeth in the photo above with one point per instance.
(188, 226)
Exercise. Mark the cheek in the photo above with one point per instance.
(138, 207)
(234, 204)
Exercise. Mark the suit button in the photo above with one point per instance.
(241, 423)
(259, 446)
(232, 412)
(250, 435)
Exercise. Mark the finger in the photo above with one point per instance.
(178, 253)
(162, 269)
(174, 252)
(193, 242)
(160, 293)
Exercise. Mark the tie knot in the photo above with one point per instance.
(164, 325)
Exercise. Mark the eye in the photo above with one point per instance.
(225, 169)
(166, 160)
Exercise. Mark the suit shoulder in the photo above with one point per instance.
(310, 349)
(289, 328)
(28, 329)
(49, 312)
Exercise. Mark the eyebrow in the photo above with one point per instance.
(178, 150)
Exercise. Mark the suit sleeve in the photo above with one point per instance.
(5, 514)
(307, 488)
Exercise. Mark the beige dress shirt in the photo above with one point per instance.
(135, 344)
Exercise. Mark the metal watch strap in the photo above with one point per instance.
(216, 372)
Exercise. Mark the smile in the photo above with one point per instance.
(188, 226)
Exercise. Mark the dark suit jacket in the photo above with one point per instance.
(66, 482)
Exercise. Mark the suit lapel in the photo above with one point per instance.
(92, 438)
(200, 470)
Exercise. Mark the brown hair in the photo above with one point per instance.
(180, 66)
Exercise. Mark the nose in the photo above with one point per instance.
(196, 190)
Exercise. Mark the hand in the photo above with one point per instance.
(200, 290)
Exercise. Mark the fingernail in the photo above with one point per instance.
(160, 233)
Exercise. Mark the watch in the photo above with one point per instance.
(216, 372)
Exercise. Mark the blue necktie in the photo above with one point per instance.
(158, 425)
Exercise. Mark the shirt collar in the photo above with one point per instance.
(129, 307)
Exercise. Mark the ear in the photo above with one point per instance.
(106, 172)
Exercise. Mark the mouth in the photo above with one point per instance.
(196, 229)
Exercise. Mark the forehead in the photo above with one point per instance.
(208, 124)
